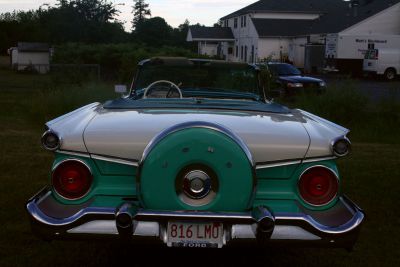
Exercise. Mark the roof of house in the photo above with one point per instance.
(33, 47)
(211, 33)
(281, 27)
(312, 6)
(335, 17)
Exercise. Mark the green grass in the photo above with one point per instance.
(4, 61)
(371, 179)
(368, 121)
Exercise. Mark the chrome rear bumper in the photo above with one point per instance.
(336, 227)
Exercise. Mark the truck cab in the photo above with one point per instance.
(384, 62)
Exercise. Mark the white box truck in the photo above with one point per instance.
(345, 53)
(383, 61)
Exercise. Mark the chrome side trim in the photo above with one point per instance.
(129, 162)
(277, 164)
(310, 160)
(74, 153)
(266, 165)
(134, 163)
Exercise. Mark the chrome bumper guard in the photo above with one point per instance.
(336, 227)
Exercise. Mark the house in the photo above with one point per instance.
(31, 56)
(210, 39)
(294, 30)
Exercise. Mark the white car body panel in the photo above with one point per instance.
(125, 134)
(70, 127)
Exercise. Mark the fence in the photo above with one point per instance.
(77, 71)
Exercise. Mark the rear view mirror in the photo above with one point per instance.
(121, 89)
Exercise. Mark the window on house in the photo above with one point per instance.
(230, 50)
(241, 52)
(245, 53)
(241, 22)
(235, 23)
(244, 21)
(252, 54)
(237, 51)
(226, 23)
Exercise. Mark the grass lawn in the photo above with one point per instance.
(370, 176)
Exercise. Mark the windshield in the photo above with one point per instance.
(284, 69)
(208, 79)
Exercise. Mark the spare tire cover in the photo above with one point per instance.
(212, 151)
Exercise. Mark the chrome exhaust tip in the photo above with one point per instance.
(124, 220)
(265, 223)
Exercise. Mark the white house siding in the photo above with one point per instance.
(297, 50)
(245, 36)
(225, 50)
(41, 61)
(273, 48)
(386, 22)
(266, 47)
(208, 48)
(14, 56)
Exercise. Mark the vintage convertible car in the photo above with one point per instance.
(196, 156)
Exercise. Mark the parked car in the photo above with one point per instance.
(384, 62)
(196, 156)
(289, 80)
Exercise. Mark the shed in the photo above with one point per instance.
(31, 56)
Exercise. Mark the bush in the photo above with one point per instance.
(368, 121)
(118, 62)
(57, 100)
(336, 104)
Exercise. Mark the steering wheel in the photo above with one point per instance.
(172, 86)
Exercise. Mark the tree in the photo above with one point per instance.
(154, 32)
(100, 11)
(140, 11)
(184, 26)
(85, 21)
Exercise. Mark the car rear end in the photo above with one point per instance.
(200, 184)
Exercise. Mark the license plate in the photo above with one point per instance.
(195, 235)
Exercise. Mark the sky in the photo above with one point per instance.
(175, 12)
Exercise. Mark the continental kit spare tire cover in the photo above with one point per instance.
(196, 168)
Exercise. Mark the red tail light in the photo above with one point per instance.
(72, 179)
(318, 186)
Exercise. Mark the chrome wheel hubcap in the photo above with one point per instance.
(196, 184)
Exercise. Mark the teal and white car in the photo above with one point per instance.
(196, 156)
